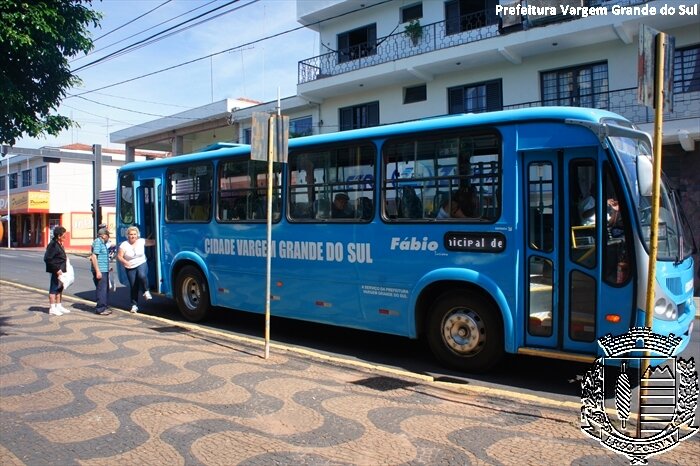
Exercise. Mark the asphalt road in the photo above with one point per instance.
(556, 380)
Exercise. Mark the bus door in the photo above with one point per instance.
(148, 198)
(561, 269)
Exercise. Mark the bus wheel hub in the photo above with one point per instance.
(462, 332)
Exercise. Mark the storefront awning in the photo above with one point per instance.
(28, 202)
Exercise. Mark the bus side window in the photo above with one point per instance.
(583, 213)
(616, 257)
(423, 172)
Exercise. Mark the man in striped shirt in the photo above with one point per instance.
(100, 271)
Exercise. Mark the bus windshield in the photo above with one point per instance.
(635, 155)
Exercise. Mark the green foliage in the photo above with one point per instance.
(37, 37)
(414, 30)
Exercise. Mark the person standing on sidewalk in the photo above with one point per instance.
(100, 271)
(132, 254)
(56, 260)
(112, 249)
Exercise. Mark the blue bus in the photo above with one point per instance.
(521, 231)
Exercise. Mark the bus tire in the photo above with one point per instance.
(192, 294)
(465, 332)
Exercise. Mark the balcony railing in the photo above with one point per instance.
(394, 47)
(624, 103)
(435, 36)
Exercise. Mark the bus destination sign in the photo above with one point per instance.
(475, 242)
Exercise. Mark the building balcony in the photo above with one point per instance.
(399, 58)
(435, 36)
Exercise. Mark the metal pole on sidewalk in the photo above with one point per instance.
(268, 275)
(277, 134)
(5, 150)
(655, 199)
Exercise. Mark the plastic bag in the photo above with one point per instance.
(67, 277)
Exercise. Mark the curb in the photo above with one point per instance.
(428, 379)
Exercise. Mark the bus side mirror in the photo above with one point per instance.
(645, 175)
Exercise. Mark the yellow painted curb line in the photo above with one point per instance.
(341, 361)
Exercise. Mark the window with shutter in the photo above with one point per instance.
(476, 98)
(359, 116)
(465, 15)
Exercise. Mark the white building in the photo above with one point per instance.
(45, 188)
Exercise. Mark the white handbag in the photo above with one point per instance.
(67, 277)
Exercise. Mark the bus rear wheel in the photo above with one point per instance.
(465, 332)
(192, 294)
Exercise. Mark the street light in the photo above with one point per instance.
(4, 150)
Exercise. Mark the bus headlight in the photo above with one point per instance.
(665, 310)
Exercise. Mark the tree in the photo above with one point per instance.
(36, 40)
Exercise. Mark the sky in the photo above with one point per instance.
(255, 70)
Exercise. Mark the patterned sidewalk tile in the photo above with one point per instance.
(91, 390)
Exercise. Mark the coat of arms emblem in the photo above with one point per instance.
(651, 395)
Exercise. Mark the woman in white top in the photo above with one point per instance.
(132, 255)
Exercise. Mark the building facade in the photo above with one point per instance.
(45, 188)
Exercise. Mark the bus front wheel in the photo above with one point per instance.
(465, 332)
(192, 294)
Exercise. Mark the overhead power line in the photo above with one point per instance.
(130, 110)
(143, 101)
(145, 42)
(95, 115)
(92, 52)
(189, 62)
(131, 21)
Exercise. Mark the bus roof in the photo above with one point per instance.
(217, 150)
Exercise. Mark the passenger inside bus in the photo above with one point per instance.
(450, 207)
(239, 210)
(175, 210)
(615, 225)
(340, 207)
(199, 210)
(364, 208)
(257, 206)
(462, 203)
(469, 203)
(410, 205)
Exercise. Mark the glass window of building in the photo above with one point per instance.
(26, 178)
(40, 174)
(476, 98)
(578, 86)
(359, 116)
